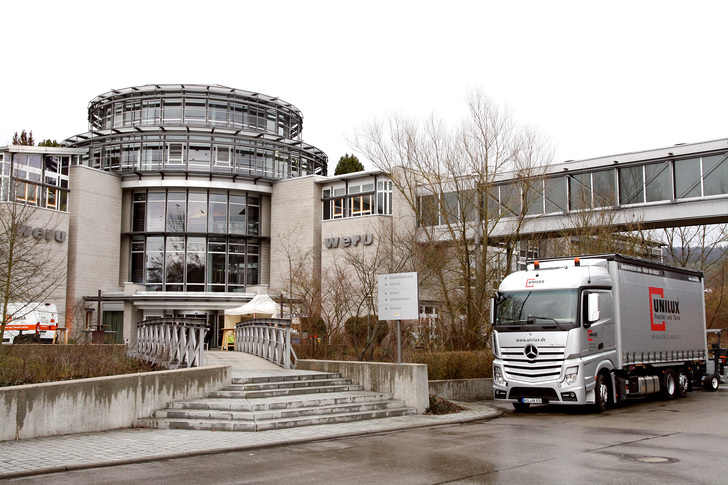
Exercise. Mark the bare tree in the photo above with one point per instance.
(450, 178)
(32, 266)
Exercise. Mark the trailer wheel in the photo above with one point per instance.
(683, 382)
(521, 406)
(669, 385)
(601, 394)
(711, 383)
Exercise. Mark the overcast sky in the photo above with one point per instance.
(600, 78)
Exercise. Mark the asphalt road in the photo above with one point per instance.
(675, 442)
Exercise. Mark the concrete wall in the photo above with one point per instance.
(100, 403)
(463, 389)
(94, 241)
(406, 382)
(296, 229)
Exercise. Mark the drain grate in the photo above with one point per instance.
(650, 459)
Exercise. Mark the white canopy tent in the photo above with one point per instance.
(261, 306)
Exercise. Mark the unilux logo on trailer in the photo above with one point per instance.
(662, 309)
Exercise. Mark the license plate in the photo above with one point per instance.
(531, 400)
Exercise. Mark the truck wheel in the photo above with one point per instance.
(669, 385)
(711, 383)
(683, 382)
(521, 406)
(601, 394)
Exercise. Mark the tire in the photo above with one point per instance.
(683, 382)
(521, 406)
(669, 385)
(602, 394)
(711, 383)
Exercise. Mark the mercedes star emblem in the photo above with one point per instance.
(531, 351)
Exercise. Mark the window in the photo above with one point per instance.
(172, 111)
(197, 212)
(176, 216)
(631, 185)
(222, 156)
(429, 210)
(151, 112)
(687, 178)
(236, 214)
(195, 264)
(137, 259)
(218, 113)
(603, 186)
(138, 211)
(580, 192)
(175, 153)
(155, 211)
(218, 213)
(216, 257)
(199, 157)
(534, 198)
(715, 174)
(236, 265)
(555, 195)
(195, 111)
(658, 185)
(174, 264)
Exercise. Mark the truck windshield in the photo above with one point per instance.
(537, 310)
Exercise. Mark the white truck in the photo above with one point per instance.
(30, 323)
(598, 330)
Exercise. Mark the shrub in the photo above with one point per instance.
(31, 364)
(454, 365)
(439, 405)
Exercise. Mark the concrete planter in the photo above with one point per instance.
(406, 382)
(463, 389)
(99, 403)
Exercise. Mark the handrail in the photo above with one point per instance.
(269, 338)
(170, 341)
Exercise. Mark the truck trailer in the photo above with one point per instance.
(598, 330)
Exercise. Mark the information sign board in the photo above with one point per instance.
(398, 296)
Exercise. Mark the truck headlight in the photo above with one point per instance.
(498, 376)
(569, 377)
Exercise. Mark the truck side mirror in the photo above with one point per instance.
(592, 308)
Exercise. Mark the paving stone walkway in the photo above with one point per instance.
(117, 447)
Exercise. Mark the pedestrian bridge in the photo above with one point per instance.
(685, 184)
(179, 342)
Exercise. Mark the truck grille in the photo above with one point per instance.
(543, 366)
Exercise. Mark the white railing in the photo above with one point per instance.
(172, 342)
(269, 338)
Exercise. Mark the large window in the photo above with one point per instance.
(355, 199)
(40, 180)
(190, 257)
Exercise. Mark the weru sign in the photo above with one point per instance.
(41, 233)
(347, 241)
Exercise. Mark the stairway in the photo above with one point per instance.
(277, 402)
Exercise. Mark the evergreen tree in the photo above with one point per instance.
(24, 139)
(348, 164)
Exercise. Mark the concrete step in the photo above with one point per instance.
(282, 392)
(287, 384)
(276, 402)
(263, 425)
(281, 402)
(270, 414)
(286, 377)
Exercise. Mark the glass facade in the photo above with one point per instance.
(195, 240)
(192, 128)
(35, 179)
(639, 183)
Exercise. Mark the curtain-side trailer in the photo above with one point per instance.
(598, 330)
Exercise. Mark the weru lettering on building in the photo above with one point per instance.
(41, 233)
(347, 241)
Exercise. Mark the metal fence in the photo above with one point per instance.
(269, 338)
(172, 342)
